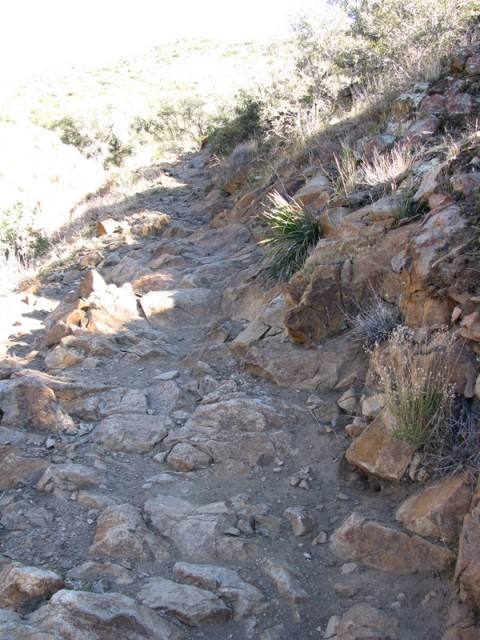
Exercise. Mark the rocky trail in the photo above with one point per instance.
(157, 484)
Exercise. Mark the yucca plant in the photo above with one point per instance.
(293, 232)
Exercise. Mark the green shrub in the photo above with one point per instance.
(292, 233)
(18, 237)
(247, 123)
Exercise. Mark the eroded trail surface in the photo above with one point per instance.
(176, 488)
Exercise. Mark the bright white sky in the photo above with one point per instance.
(39, 35)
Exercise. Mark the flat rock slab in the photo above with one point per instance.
(381, 547)
(68, 477)
(190, 605)
(80, 615)
(132, 433)
(291, 366)
(181, 307)
(199, 532)
(244, 598)
(185, 457)
(363, 621)
(238, 429)
(122, 533)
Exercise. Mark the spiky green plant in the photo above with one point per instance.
(293, 232)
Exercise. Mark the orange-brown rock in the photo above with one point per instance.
(317, 190)
(438, 511)
(21, 586)
(290, 366)
(467, 571)
(320, 312)
(381, 547)
(378, 452)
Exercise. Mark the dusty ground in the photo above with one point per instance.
(47, 531)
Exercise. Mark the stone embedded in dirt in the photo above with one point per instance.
(292, 366)
(29, 404)
(429, 182)
(56, 333)
(91, 259)
(439, 510)
(459, 104)
(422, 130)
(112, 310)
(348, 402)
(122, 533)
(185, 457)
(254, 332)
(467, 571)
(190, 605)
(301, 520)
(238, 429)
(95, 499)
(186, 307)
(466, 183)
(21, 516)
(243, 598)
(434, 104)
(373, 405)
(378, 452)
(326, 412)
(131, 433)
(470, 326)
(23, 587)
(364, 621)
(101, 616)
(381, 547)
(199, 531)
(100, 571)
(16, 470)
(460, 622)
(285, 580)
(68, 477)
(472, 65)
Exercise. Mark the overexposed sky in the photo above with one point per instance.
(41, 35)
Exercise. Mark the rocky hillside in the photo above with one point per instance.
(189, 450)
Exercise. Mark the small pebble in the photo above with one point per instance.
(343, 496)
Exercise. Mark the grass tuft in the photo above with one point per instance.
(414, 373)
(375, 323)
(293, 232)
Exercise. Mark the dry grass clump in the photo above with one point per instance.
(414, 372)
(292, 233)
(457, 447)
(388, 169)
(375, 323)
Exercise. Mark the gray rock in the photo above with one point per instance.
(68, 477)
(244, 598)
(78, 615)
(189, 604)
(186, 457)
(286, 581)
(300, 519)
(132, 433)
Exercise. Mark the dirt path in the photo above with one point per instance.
(242, 496)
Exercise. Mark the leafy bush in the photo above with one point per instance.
(19, 239)
(415, 374)
(292, 233)
(247, 123)
(176, 125)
